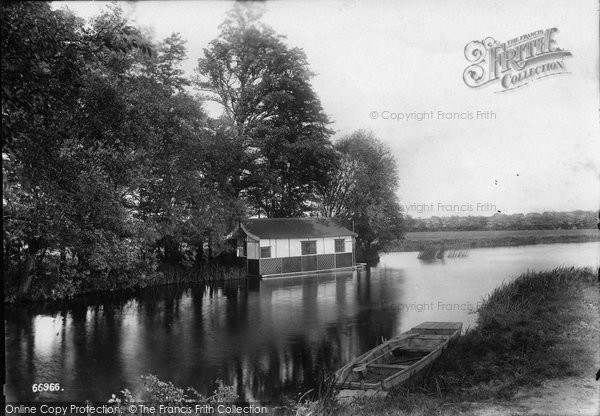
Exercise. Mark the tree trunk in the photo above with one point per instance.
(200, 252)
(27, 274)
(6, 254)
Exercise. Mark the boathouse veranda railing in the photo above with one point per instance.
(299, 264)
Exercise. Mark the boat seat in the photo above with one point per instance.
(431, 336)
(390, 351)
(360, 370)
(394, 366)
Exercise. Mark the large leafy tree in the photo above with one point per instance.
(185, 194)
(361, 191)
(43, 54)
(101, 145)
(271, 110)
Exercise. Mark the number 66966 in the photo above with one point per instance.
(37, 387)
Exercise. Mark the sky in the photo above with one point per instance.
(539, 148)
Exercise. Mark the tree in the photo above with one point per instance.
(546, 221)
(268, 102)
(361, 191)
(73, 140)
(41, 79)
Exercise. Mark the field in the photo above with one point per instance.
(418, 241)
(477, 235)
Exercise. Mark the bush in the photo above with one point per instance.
(158, 392)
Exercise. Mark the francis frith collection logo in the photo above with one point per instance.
(514, 63)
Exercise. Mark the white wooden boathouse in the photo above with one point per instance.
(282, 246)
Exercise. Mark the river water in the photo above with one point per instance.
(269, 339)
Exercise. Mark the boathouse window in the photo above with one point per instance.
(308, 247)
(265, 252)
(340, 245)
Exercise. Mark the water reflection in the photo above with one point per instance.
(268, 338)
(265, 339)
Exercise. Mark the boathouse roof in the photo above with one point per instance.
(293, 228)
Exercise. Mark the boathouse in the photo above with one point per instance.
(280, 246)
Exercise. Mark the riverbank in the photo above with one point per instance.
(58, 287)
(420, 241)
(534, 351)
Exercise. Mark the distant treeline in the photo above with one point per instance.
(531, 221)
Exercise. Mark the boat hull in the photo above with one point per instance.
(398, 360)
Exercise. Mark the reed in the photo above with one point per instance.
(429, 253)
(207, 273)
(433, 251)
(458, 250)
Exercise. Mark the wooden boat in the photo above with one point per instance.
(398, 359)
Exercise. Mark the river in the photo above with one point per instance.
(269, 338)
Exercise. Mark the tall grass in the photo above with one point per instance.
(432, 251)
(318, 401)
(516, 301)
(207, 273)
(514, 343)
(458, 250)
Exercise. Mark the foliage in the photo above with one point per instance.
(497, 222)
(166, 393)
(60, 174)
(361, 191)
(104, 154)
(272, 111)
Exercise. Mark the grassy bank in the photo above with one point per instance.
(64, 285)
(526, 334)
(420, 241)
